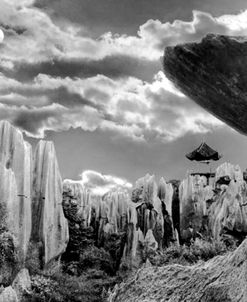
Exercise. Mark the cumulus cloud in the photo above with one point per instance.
(127, 107)
(99, 183)
(54, 78)
(32, 36)
(153, 36)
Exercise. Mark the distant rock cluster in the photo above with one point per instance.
(147, 220)
(140, 224)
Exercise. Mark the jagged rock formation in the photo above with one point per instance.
(193, 195)
(8, 295)
(127, 229)
(150, 223)
(166, 195)
(112, 213)
(49, 227)
(228, 212)
(30, 202)
(176, 208)
(132, 255)
(149, 207)
(75, 195)
(227, 169)
(217, 210)
(95, 220)
(15, 185)
(22, 283)
(222, 278)
(77, 206)
(20, 286)
(213, 74)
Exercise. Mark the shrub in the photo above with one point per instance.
(199, 250)
(33, 262)
(9, 262)
(91, 286)
(86, 280)
(99, 259)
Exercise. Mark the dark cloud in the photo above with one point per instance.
(125, 17)
(34, 120)
(12, 30)
(69, 99)
(60, 95)
(111, 66)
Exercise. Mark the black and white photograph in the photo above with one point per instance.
(123, 151)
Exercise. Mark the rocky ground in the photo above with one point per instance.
(222, 278)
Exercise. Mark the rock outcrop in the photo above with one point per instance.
(150, 225)
(129, 229)
(218, 210)
(49, 228)
(228, 212)
(8, 295)
(18, 289)
(77, 207)
(22, 283)
(149, 208)
(30, 202)
(229, 170)
(193, 195)
(94, 220)
(213, 74)
(222, 278)
(15, 185)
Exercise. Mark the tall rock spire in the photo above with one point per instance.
(49, 224)
(15, 183)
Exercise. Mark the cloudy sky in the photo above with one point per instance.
(87, 74)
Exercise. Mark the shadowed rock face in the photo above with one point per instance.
(213, 73)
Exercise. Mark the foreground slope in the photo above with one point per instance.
(223, 278)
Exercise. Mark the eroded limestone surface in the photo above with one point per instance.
(15, 184)
(213, 74)
(50, 227)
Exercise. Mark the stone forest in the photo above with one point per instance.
(165, 240)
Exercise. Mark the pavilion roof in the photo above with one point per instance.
(203, 153)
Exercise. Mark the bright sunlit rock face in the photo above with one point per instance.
(214, 206)
(31, 196)
(194, 192)
(49, 224)
(16, 183)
